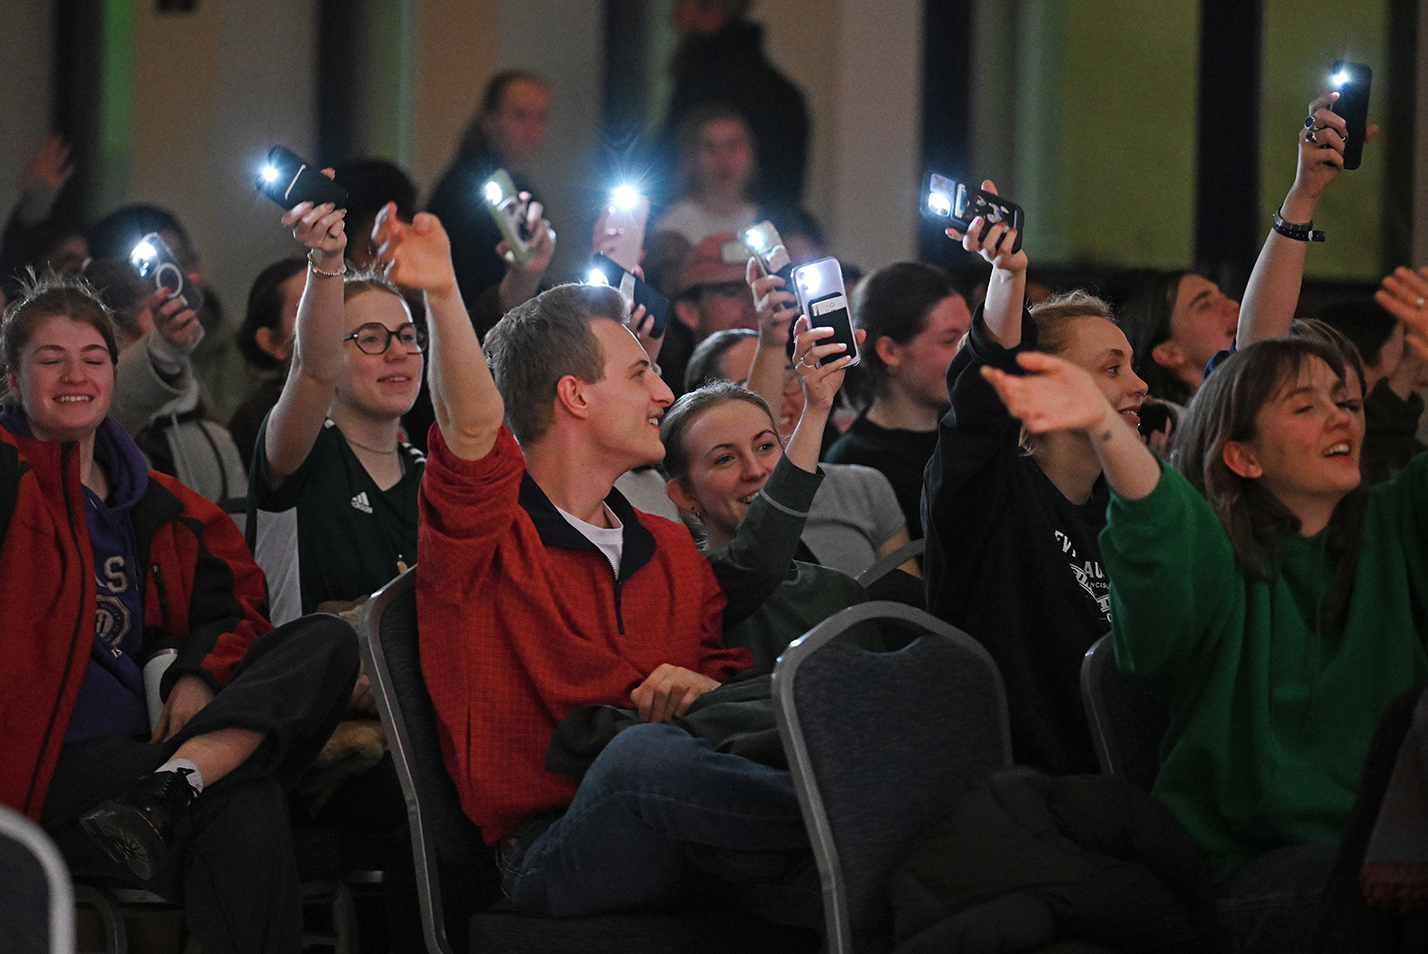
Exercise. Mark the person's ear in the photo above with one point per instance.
(1168, 355)
(681, 496)
(570, 397)
(267, 339)
(1239, 457)
(12, 382)
(687, 313)
(888, 351)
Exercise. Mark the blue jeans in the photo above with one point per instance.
(1274, 902)
(621, 843)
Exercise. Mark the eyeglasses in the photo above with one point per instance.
(375, 338)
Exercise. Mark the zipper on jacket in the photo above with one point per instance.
(163, 594)
(619, 619)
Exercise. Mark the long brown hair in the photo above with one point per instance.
(1226, 409)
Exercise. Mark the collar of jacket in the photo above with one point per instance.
(556, 531)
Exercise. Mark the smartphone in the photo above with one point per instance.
(288, 180)
(628, 213)
(1352, 81)
(508, 210)
(766, 246)
(819, 287)
(155, 263)
(952, 200)
(605, 271)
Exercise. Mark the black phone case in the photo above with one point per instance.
(299, 182)
(994, 210)
(1353, 106)
(655, 304)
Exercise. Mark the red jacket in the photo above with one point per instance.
(202, 594)
(522, 620)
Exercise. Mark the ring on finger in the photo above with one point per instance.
(1309, 123)
(1309, 136)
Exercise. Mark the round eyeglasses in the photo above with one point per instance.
(375, 338)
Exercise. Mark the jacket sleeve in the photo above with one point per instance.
(1174, 579)
(140, 391)
(753, 565)
(966, 487)
(209, 589)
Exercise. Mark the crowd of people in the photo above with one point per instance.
(607, 513)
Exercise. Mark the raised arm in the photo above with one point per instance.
(297, 417)
(469, 409)
(820, 386)
(1006, 288)
(776, 311)
(1057, 395)
(1273, 291)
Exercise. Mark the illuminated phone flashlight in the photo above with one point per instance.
(939, 203)
(597, 277)
(143, 252)
(625, 197)
(1341, 77)
(754, 239)
(269, 173)
(493, 192)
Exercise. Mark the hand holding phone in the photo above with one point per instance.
(155, 263)
(821, 296)
(1352, 81)
(605, 271)
(289, 181)
(952, 201)
(766, 246)
(509, 210)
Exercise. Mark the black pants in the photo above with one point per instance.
(232, 862)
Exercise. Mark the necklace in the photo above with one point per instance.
(370, 450)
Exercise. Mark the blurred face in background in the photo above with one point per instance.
(516, 128)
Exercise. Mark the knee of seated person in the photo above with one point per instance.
(649, 750)
(331, 638)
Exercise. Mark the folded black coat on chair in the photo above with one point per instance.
(1023, 861)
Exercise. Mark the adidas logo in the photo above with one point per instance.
(359, 502)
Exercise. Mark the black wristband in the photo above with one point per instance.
(1299, 231)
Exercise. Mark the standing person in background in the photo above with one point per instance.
(720, 58)
(914, 319)
(505, 133)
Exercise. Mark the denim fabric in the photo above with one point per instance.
(621, 844)
(1274, 903)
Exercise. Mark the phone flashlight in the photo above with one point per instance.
(1341, 77)
(938, 204)
(754, 239)
(493, 192)
(625, 197)
(269, 174)
(597, 277)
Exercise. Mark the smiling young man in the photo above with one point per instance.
(543, 590)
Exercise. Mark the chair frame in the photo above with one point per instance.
(22, 830)
(835, 904)
(433, 918)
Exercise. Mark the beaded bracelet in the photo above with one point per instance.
(320, 273)
(1299, 231)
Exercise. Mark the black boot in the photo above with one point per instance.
(134, 828)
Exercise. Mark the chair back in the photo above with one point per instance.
(880, 744)
(36, 898)
(1128, 721)
(452, 862)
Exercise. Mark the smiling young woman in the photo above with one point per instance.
(1279, 643)
(333, 500)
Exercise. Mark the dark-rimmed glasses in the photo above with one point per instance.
(375, 338)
